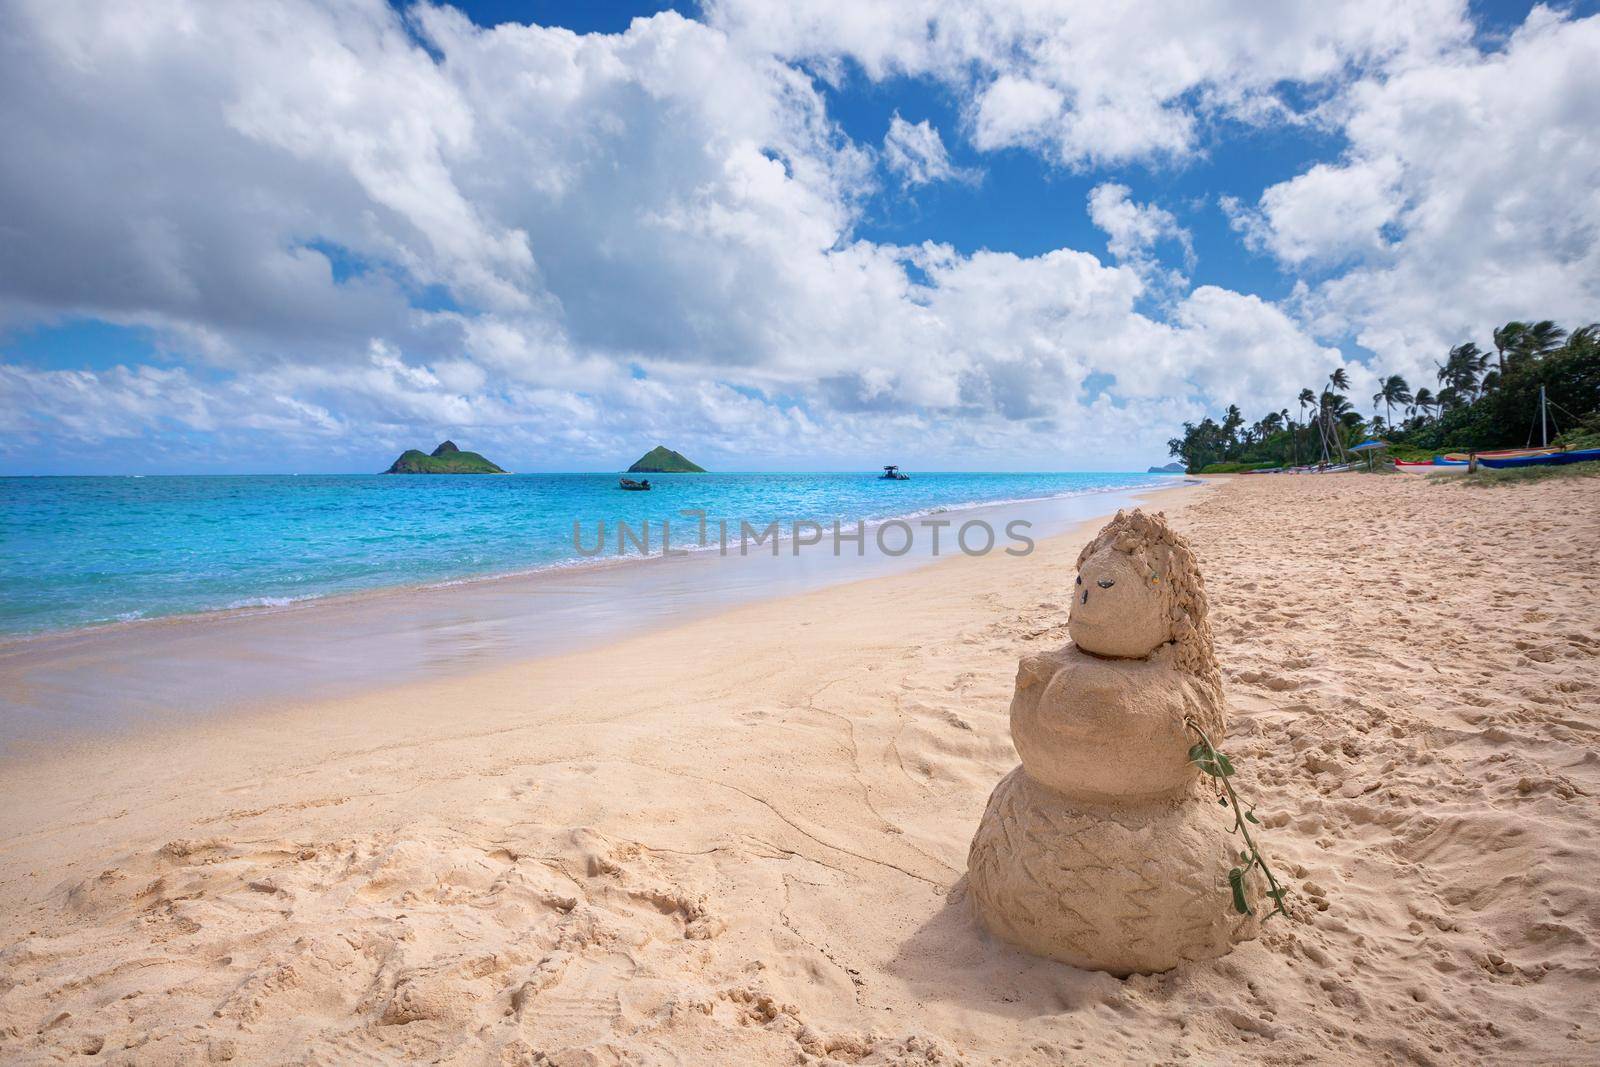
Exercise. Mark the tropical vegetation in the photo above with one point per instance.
(1484, 400)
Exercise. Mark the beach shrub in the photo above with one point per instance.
(1586, 434)
(1234, 468)
(1211, 761)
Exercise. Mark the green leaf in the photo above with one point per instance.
(1236, 883)
(1197, 752)
(1227, 765)
(1250, 816)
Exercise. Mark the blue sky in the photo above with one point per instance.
(778, 237)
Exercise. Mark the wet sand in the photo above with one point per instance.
(742, 839)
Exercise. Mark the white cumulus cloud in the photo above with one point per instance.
(1103, 82)
(1469, 196)
(1133, 230)
(349, 227)
(915, 151)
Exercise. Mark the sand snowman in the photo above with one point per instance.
(1104, 849)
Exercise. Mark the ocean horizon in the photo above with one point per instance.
(90, 550)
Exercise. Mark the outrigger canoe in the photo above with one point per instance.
(1549, 459)
(1461, 459)
(1429, 464)
(1498, 453)
(1505, 458)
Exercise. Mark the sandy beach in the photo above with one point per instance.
(743, 839)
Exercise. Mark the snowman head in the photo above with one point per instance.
(1139, 589)
(1117, 607)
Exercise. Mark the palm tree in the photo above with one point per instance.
(1307, 399)
(1335, 404)
(1461, 368)
(1479, 360)
(1539, 340)
(1585, 335)
(1332, 410)
(1232, 421)
(1507, 338)
(1424, 400)
(1329, 406)
(1394, 391)
(1523, 342)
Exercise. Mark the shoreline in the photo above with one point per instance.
(257, 722)
(243, 606)
(743, 838)
(185, 667)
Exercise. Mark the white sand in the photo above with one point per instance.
(741, 840)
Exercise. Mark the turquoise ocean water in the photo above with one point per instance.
(83, 551)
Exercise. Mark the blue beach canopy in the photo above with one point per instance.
(1368, 445)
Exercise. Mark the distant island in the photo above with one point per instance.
(446, 459)
(1170, 468)
(663, 460)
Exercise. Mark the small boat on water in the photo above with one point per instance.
(891, 473)
(630, 484)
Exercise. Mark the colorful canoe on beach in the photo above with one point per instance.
(1461, 459)
(1549, 459)
(1497, 453)
(1504, 457)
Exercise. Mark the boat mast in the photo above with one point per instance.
(1544, 430)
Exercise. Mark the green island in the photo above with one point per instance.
(446, 459)
(663, 460)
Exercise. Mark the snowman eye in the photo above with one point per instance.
(1106, 583)
(1080, 579)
